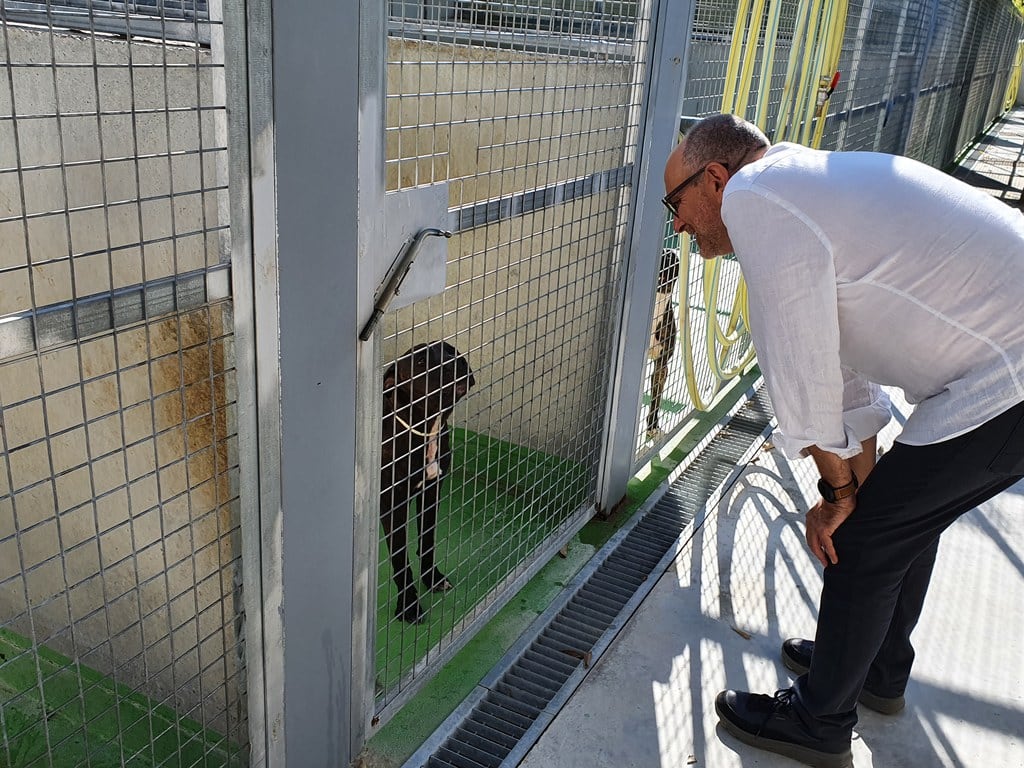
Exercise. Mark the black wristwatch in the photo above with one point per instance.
(832, 495)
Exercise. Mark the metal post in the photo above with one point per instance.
(236, 92)
(672, 24)
(310, 119)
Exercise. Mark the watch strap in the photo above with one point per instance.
(832, 494)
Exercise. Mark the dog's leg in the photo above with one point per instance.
(427, 519)
(658, 378)
(394, 516)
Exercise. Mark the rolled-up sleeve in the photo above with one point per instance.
(866, 407)
(794, 318)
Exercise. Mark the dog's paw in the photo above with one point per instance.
(436, 581)
(410, 611)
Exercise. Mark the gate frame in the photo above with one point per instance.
(301, 123)
(307, 441)
(659, 127)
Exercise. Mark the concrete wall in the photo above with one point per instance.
(118, 522)
(528, 298)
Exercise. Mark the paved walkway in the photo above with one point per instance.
(746, 581)
(996, 164)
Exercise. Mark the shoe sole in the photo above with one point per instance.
(805, 755)
(880, 704)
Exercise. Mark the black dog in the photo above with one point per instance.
(420, 390)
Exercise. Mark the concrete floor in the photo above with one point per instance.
(996, 163)
(743, 584)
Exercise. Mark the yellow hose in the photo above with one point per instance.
(792, 71)
(735, 52)
(767, 64)
(809, 75)
(747, 71)
(817, 46)
(1010, 98)
(837, 30)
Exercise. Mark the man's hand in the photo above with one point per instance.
(822, 521)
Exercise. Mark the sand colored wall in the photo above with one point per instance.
(118, 481)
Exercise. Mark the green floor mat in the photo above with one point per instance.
(78, 717)
(500, 503)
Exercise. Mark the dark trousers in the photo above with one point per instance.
(872, 598)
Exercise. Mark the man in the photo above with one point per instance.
(864, 269)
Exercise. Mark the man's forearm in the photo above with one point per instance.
(864, 462)
(838, 472)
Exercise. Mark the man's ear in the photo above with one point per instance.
(719, 177)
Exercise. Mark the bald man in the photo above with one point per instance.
(864, 269)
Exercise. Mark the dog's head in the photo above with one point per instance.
(431, 378)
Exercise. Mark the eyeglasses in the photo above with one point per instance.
(671, 199)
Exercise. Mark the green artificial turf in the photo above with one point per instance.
(78, 717)
(500, 503)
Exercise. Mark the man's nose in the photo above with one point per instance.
(677, 224)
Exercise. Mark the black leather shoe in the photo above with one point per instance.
(769, 722)
(796, 655)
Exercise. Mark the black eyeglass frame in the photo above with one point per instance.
(671, 204)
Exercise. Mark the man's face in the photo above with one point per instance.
(695, 195)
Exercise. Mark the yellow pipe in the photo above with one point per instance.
(735, 53)
(720, 343)
(817, 77)
(810, 108)
(747, 74)
(685, 340)
(826, 67)
(808, 74)
(792, 67)
(1010, 97)
(837, 31)
(767, 65)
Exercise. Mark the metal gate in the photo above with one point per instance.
(524, 116)
(120, 567)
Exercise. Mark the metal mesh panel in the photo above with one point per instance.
(679, 377)
(530, 112)
(925, 76)
(967, 52)
(120, 575)
(879, 66)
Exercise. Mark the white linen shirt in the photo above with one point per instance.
(866, 269)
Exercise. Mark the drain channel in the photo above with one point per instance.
(508, 711)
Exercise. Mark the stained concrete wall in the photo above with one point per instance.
(118, 515)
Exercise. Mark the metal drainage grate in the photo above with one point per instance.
(507, 712)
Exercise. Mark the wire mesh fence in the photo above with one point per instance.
(120, 570)
(529, 112)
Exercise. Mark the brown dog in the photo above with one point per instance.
(663, 335)
(420, 390)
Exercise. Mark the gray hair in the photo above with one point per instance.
(722, 138)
